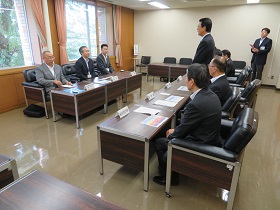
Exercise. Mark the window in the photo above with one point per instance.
(14, 35)
(81, 27)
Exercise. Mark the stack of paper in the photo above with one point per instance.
(145, 110)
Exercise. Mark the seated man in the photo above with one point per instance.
(201, 120)
(49, 74)
(84, 65)
(103, 61)
(219, 83)
(230, 68)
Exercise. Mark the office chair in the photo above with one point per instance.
(219, 166)
(240, 80)
(169, 60)
(33, 90)
(185, 61)
(231, 103)
(69, 72)
(145, 61)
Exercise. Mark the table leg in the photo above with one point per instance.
(146, 166)
(101, 171)
(53, 112)
(76, 112)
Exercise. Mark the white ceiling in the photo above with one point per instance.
(175, 4)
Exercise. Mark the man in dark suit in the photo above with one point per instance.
(103, 61)
(219, 83)
(205, 50)
(84, 65)
(201, 120)
(230, 68)
(260, 49)
(49, 74)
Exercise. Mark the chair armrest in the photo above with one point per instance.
(32, 84)
(225, 115)
(225, 123)
(231, 79)
(243, 100)
(206, 149)
(234, 85)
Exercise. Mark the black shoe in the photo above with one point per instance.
(162, 180)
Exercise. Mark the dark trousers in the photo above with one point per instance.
(257, 71)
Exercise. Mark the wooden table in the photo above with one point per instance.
(39, 191)
(8, 171)
(168, 70)
(67, 101)
(127, 141)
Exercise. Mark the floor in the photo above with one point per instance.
(70, 154)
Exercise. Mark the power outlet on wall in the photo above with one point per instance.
(271, 77)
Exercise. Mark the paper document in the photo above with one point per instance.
(166, 94)
(165, 103)
(145, 110)
(183, 88)
(154, 120)
(67, 86)
(173, 98)
(103, 82)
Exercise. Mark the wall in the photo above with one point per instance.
(162, 33)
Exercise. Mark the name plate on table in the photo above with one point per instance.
(114, 78)
(150, 96)
(179, 78)
(167, 85)
(89, 86)
(133, 73)
(122, 112)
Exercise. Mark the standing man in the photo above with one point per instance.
(201, 121)
(219, 83)
(49, 74)
(84, 65)
(230, 68)
(260, 49)
(103, 61)
(206, 47)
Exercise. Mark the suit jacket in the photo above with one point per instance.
(45, 77)
(102, 65)
(205, 50)
(230, 68)
(221, 88)
(202, 119)
(260, 57)
(82, 69)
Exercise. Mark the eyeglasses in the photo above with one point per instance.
(50, 57)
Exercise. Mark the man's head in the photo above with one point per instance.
(48, 58)
(217, 66)
(204, 26)
(217, 52)
(197, 77)
(226, 54)
(104, 49)
(84, 51)
(265, 32)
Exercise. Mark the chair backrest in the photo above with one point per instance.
(250, 91)
(239, 64)
(185, 61)
(145, 60)
(242, 77)
(29, 75)
(169, 60)
(243, 129)
(68, 69)
(232, 100)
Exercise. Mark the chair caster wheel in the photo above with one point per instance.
(168, 195)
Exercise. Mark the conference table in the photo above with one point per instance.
(8, 171)
(39, 191)
(169, 70)
(128, 141)
(76, 101)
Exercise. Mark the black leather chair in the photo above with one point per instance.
(169, 60)
(185, 61)
(145, 61)
(239, 64)
(230, 104)
(240, 80)
(219, 166)
(33, 90)
(69, 72)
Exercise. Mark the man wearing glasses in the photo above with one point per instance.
(49, 74)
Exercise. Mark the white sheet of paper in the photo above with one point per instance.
(166, 94)
(103, 82)
(165, 103)
(145, 110)
(173, 98)
(67, 86)
(183, 88)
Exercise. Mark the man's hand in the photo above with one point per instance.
(57, 82)
(255, 50)
(69, 83)
(168, 132)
